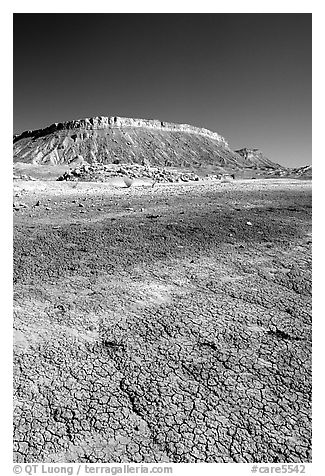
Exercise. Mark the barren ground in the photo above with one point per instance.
(165, 324)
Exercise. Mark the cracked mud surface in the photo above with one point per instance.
(156, 325)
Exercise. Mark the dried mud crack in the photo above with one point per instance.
(157, 325)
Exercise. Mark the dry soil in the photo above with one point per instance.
(165, 324)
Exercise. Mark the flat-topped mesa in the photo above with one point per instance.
(111, 122)
(123, 140)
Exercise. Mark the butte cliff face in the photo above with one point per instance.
(108, 140)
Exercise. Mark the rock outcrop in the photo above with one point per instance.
(103, 173)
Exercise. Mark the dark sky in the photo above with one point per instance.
(246, 76)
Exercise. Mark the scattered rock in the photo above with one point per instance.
(129, 172)
(128, 181)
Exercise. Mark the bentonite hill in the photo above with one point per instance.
(123, 140)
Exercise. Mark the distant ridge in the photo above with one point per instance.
(255, 158)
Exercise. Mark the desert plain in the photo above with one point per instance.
(162, 324)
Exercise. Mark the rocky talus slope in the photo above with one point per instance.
(107, 140)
